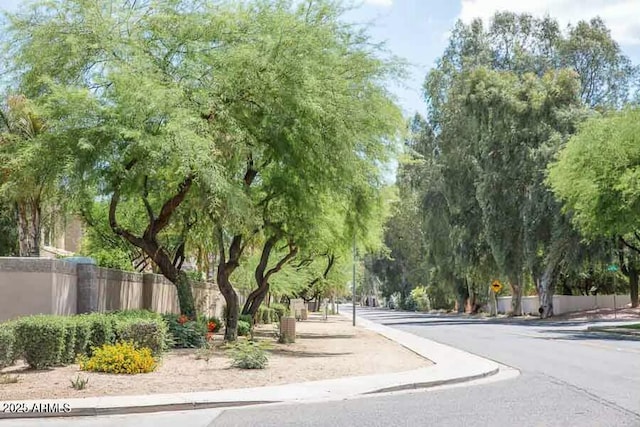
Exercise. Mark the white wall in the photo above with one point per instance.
(566, 303)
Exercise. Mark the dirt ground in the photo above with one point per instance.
(323, 350)
(601, 314)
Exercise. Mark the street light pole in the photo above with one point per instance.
(353, 282)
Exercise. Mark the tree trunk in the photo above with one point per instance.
(545, 293)
(257, 296)
(225, 269)
(29, 228)
(462, 293)
(516, 295)
(185, 295)
(148, 242)
(231, 299)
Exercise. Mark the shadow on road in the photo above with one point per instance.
(567, 334)
(426, 319)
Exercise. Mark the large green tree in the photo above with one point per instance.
(487, 140)
(27, 181)
(596, 176)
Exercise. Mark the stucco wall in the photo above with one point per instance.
(50, 286)
(36, 286)
(566, 303)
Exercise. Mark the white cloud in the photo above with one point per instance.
(621, 16)
(384, 3)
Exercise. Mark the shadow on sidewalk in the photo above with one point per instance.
(293, 353)
(320, 336)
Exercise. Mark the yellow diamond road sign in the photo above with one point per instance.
(496, 286)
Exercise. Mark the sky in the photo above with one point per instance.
(417, 30)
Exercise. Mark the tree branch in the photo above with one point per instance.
(178, 258)
(630, 246)
(235, 250)
(251, 172)
(223, 258)
(293, 251)
(264, 259)
(113, 222)
(168, 209)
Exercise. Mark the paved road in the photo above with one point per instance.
(568, 378)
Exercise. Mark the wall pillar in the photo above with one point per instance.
(87, 288)
(148, 282)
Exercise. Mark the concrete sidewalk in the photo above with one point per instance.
(451, 366)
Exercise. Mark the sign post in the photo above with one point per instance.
(614, 268)
(496, 286)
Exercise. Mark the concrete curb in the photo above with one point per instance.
(451, 366)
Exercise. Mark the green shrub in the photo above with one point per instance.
(68, 354)
(409, 304)
(247, 354)
(266, 315)
(205, 321)
(280, 311)
(136, 314)
(188, 335)
(244, 328)
(7, 345)
(420, 296)
(41, 340)
(120, 358)
(217, 321)
(144, 333)
(246, 318)
(101, 330)
(83, 335)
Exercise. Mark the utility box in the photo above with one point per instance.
(288, 329)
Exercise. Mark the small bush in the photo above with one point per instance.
(185, 335)
(409, 304)
(41, 340)
(248, 354)
(217, 321)
(136, 314)
(120, 358)
(7, 345)
(79, 383)
(244, 328)
(149, 333)
(421, 298)
(83, 335)
(246, 318)
(207, 352)
(267, 315)
(68, 354)
(101, 330)
(280, 311)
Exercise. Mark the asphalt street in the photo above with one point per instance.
(568, 377)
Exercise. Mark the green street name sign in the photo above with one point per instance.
(612, 267)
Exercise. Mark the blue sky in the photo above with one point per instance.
(417, 29)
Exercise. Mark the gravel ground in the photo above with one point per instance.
(323, 350)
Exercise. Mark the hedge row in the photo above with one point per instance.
(44, 340)
(272, 314)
